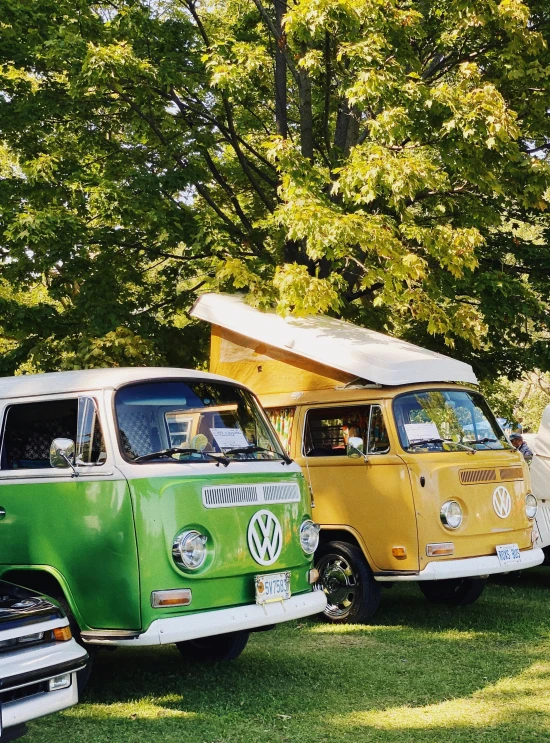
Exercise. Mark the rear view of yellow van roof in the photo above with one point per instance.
(320, 345)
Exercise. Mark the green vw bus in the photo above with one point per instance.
(157, 505)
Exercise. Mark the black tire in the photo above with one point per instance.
(546, 560)
(456, 592)
(220, 647)
(352, 593)
(82, 676)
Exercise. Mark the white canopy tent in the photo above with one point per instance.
(540, 478)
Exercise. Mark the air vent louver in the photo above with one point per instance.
(225, 496)
(473, 477)
(511, 473)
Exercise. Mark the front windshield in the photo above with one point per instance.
(446, 420)
(190, 420)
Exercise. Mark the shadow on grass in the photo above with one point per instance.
(420, 673)
(536, 578)
(511, 606)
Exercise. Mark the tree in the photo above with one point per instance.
(377, 159)
(522, 401)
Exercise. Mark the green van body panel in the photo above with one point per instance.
(84, 530)
(106, 535)
(87, 532)
(166, 506)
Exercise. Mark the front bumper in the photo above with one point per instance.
(23, 682)
(470, 567)
(219, 621)
(22, 710)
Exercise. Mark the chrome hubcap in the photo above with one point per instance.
(339, 583)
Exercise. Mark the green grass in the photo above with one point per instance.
(419, 673)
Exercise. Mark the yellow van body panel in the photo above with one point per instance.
(481, 529)
(373, 498)
(384, 501)
(392, 500)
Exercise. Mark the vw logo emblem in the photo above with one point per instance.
(502, 502)
(265, 537)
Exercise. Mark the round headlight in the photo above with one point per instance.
(189, 549)
(309, 536)
(451, 514)
(530, 506)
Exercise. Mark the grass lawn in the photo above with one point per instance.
(419, 673)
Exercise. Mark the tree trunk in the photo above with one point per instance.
(346, 133)
(280, 72)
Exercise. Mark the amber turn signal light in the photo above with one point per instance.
(399, 552)
(312, 576)
(174, 597)
(62, 634)
(440, 549)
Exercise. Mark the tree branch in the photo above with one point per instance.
(364, 292)
(202, 190)
(280, 40)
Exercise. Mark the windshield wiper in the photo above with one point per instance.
(252, 448)
(177, 450)
(483, 441)
(442, 441)
(421, 442)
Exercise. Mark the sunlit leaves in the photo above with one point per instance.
(303, 294)
(140, 165)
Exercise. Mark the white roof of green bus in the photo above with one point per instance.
(334, 343)
(54, 383)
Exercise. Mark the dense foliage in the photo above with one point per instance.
(382, 160)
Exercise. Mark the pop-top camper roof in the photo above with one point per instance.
(326, 344)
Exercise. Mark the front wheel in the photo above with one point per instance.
(219, 647)
(456, 592)
(347, 580)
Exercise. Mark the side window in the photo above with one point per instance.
(90, 445)
(30, 429)
(328, 429)
(378, 441)
(282, 420)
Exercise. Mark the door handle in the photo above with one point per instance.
(2, 513)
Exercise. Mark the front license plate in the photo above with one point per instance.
(274, 587)
(508, 554)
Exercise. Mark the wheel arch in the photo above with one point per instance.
(345, 534)
(45, 580)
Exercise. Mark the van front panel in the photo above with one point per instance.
(445, 477)
(167, 506)
(456, 452)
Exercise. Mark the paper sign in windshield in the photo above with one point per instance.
(229, 438)
(421, 431)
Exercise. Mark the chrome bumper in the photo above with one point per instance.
(220, 621)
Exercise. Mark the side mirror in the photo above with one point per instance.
(62, 454)
(354, 448)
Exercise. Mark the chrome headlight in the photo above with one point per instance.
(189, 550)
(309, 536)
(451, 514)
(530, 506)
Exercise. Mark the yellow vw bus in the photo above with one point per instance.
(411, 476)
